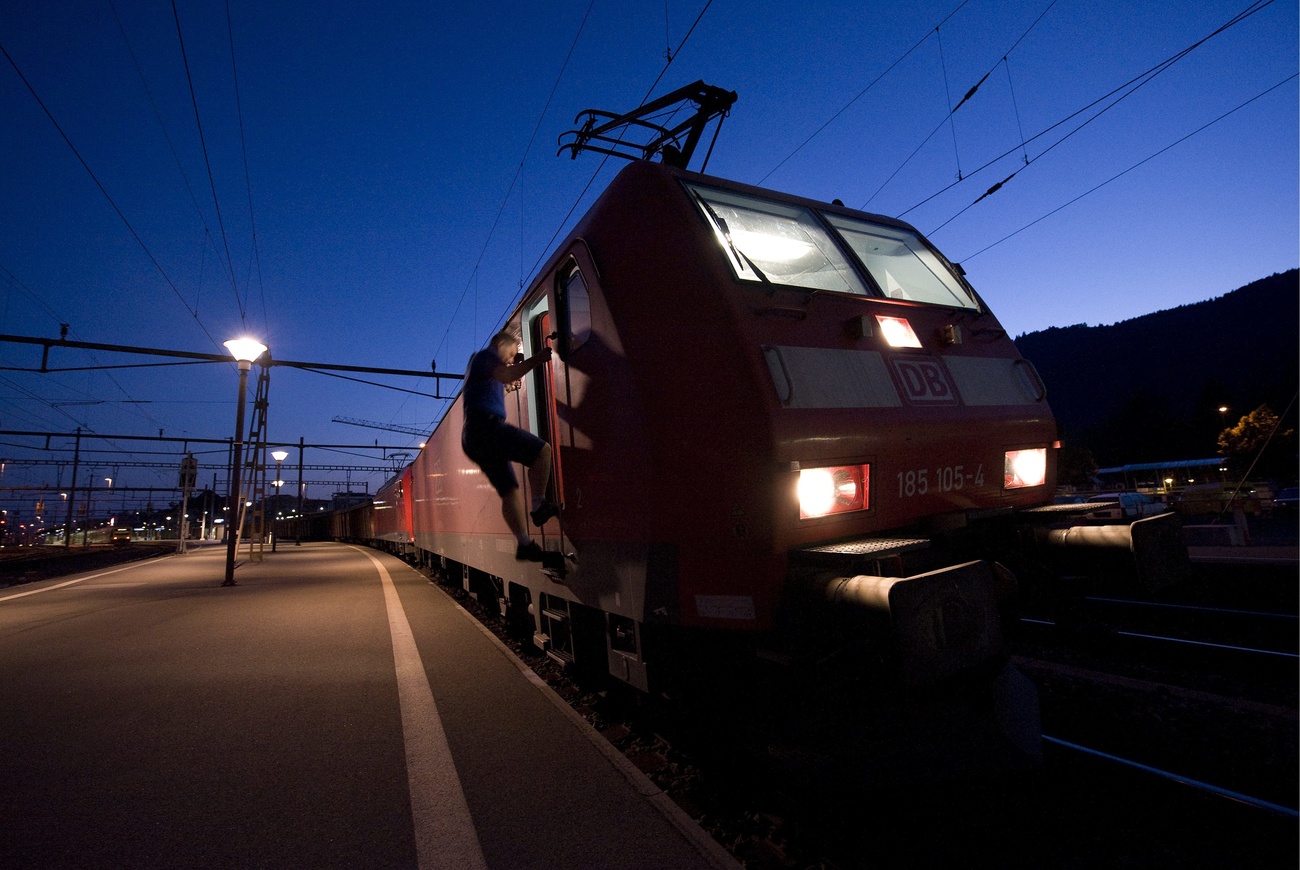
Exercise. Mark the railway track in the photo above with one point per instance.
(1126, 780)
(1252, 668)
(1205, 788)
(1266, 632)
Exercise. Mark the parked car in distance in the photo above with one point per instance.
(1126, 506)
(1286, 501)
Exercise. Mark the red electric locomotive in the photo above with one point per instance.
(781, 427)
(390, 512)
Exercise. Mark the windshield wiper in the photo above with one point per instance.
(726, 234)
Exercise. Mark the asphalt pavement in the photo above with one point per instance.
(332, 709)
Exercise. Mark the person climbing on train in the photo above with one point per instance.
(493, 444)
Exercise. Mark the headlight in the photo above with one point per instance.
(834, 489)
(1024, 468)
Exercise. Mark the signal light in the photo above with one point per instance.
(897, 331)
(836, 489)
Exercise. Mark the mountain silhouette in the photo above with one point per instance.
(1149, 389)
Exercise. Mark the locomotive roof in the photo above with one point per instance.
(640, 172)
(645, 167)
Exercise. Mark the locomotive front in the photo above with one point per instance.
(780, 428)
(835, 425)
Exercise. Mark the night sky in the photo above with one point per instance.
(371, 184)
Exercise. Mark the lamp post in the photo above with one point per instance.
(109, 481)
(244, 350)
(1223, 424)
(297, 539)
(279, 456)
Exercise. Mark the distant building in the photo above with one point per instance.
(1174, 473)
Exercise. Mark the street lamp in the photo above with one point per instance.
(279, 456)
(244, 350)
(109, 481)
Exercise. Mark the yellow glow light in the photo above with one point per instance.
(897, 331)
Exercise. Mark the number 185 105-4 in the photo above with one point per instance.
(943, 478)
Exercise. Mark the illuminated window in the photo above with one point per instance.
(903, 266)
(775, 243)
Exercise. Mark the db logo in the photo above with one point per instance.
(924, 382)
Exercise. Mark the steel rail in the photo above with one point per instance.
(1208, 788)
(1208, 644)
(1158, 637)
(1196, 608)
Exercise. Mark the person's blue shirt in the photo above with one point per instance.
(483, 392)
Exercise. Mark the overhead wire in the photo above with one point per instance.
(153, 103)
(952, 124)
(207, 162)
(14, 281)
(1124, 91)
(510, 188)
(1020, 129)
(564, 222)
(104, 191)
(864, 91)
(949, 117)
(256, 262)
(671, 56)
(1119, 175)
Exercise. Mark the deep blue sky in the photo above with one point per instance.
(399, 159)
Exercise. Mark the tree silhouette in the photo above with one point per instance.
(1259, 440)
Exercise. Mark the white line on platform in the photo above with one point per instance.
(445, 836)
(69, 582)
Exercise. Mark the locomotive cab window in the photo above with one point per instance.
(775, 243)
(902, 265)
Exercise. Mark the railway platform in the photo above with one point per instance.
(1265, 554)
(1271, 540)
(331, 709)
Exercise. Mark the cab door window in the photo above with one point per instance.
(573, 305)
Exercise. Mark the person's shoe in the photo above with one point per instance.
(547, 510)
(529, 552)
(553, 564)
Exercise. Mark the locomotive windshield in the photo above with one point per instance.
(786, 244)
(904, 268)
(777, 243)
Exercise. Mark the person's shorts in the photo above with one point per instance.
(493, 444)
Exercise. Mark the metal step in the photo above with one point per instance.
(1054, 511)
(861, 548)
